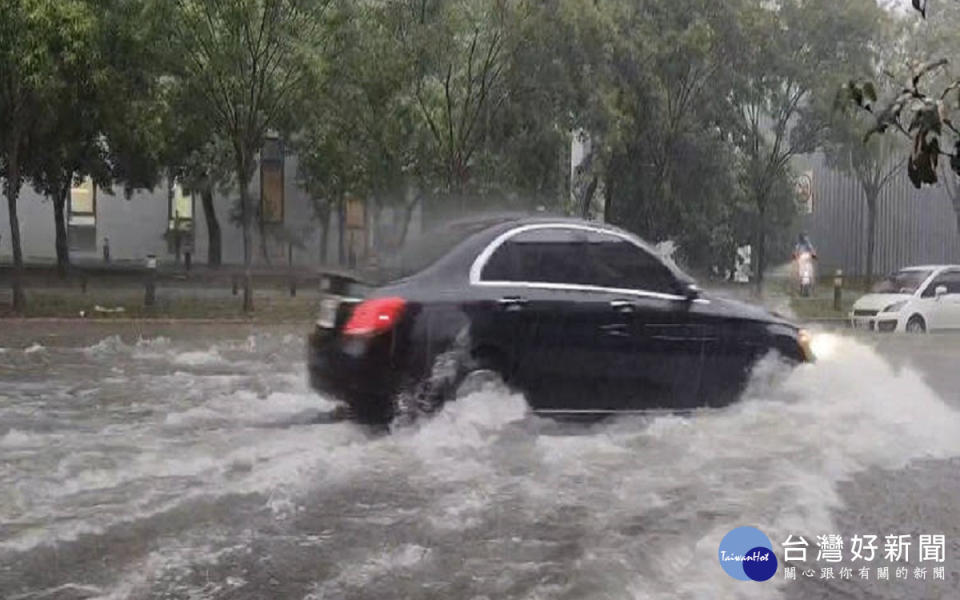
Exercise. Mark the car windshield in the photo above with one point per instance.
(901, 282)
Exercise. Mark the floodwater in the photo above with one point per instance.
(187, 462)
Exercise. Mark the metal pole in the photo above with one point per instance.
(293, 280)
(150, 296)
(837, 290)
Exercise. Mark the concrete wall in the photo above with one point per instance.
(136, 226)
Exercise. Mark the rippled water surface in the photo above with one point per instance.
(187, 463)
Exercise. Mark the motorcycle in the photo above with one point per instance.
(805, 272)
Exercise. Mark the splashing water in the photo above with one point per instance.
(193, 469)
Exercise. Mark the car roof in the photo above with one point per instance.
(519, 219)
(929, 267)
(482, 230)
(487, 228)
(507, 221)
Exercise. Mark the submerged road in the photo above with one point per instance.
(183, 461)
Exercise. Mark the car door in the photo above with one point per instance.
(947, 306)
(730, 352)
(666, 357)
(940, 313)
(580, 338)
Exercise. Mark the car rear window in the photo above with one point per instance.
(416, 255)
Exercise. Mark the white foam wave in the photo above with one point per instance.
(645, 500)
(200, 358)
(15, 438)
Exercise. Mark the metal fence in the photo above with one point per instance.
(913, 226)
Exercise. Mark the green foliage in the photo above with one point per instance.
(694, 108)
(923, 117)
(247, 64)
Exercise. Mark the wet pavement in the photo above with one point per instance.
(185, 461)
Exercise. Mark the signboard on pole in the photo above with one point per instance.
(355, 213)
(805, 193)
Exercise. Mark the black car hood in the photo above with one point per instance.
(728, 307)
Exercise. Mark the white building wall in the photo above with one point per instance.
(135, 226)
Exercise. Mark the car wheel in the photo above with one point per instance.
(916, 324)
(478, 380)
(455, 373)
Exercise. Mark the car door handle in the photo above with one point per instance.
(622, 305)
(616, 329)
(512, 302)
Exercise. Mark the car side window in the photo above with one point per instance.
(618, 263)
(548, 255)
(948, 279)
(951, 280)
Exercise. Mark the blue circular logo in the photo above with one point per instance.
(747, 554)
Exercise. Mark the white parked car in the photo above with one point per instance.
(913, 299)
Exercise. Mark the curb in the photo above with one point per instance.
(199, 321)
(831, 322)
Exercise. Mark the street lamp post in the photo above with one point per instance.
(837, 289)
(150, 296)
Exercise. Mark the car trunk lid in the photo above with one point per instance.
(342, 293)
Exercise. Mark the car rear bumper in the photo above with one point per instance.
(358, 371)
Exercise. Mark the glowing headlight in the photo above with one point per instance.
(805, 340)
(895, 307)
(824, 345)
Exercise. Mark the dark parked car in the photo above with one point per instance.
(583, 318)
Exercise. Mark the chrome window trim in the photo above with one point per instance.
(481, 261)
(929, 281)
(577, 287)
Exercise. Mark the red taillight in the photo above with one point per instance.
(374, 316)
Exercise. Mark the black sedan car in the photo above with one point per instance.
(582, 318)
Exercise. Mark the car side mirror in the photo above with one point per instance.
(940, 290)
(691, 291)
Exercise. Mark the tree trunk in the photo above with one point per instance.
(407, 217)
(244, 180)
(761, 243)
(373, 229)
(13, 191)
(956, 211)
(871, 234)
(324, 232)
(587, 199)
(262, 230)
(956, 207)
(214, 252)
(608, 196)
(63, 249)
(341, 226)
(761, 259)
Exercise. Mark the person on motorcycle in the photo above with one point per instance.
(803, 256)
(804, 245)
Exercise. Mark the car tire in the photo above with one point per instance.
(916, 324)
(478, 380)
(454, 374)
